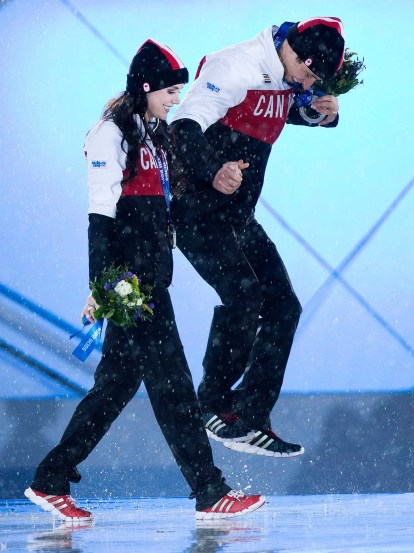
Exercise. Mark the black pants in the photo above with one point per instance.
(252, 331)
(152, 353)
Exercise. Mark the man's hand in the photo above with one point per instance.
(228, 179)
(326, 105)
(89, 308)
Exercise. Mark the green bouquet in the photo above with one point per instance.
(346, 79)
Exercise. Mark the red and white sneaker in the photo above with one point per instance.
(61, 505)
(233, 504)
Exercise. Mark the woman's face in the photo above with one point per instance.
(161, 101)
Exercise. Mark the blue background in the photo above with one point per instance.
(338, 199)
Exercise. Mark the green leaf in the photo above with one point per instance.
(99, 313)
(97, 297)
(117, 319)
(109, 313)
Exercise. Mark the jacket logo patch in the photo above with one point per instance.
(98, 164)
(266, 78)
(213, 87)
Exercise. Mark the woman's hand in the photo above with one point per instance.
(228, 179)
(89, 309)
(326, 105)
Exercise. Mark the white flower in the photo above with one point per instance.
(123, 288)
(131, 304)
(139, 301)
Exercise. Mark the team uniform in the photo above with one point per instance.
(129, 225)
(236, 109)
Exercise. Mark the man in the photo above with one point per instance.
(233, 113)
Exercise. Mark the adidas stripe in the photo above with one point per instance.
(215, 424)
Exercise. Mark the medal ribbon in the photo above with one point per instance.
(89, 342)
(162, 165)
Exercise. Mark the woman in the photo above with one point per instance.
(129, 223)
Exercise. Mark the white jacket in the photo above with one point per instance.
(227, 78)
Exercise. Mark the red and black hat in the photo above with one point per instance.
(154, 67)
(319, 42)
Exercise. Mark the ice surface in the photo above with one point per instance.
(312, 524)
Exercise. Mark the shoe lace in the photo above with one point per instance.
(229, 418)
(237, 494)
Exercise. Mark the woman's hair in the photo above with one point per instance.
(121, 111)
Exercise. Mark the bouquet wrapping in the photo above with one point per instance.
(122, 299)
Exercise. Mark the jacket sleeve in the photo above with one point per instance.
(219, 86)
(105, 162)
(198, 163)
(199, 160)
(100, 238)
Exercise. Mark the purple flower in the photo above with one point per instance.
(107, 286)
(129, 274)
(151, 305)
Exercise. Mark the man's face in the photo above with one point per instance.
(295, 70)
